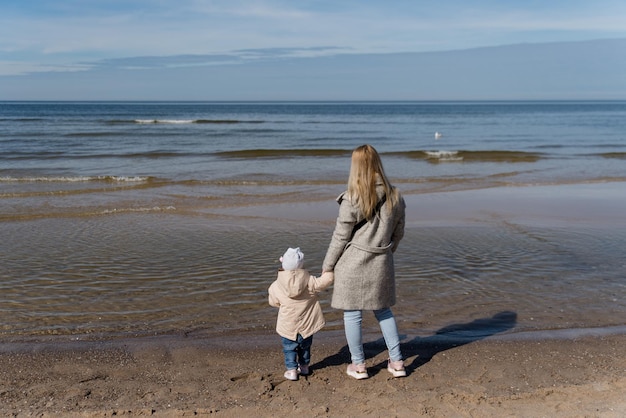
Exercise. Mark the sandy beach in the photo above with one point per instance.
(485, 367)
(240, 376)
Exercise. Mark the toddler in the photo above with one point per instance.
(300, 315)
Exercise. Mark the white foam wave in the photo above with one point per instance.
(165, 121)
(130, 179)
(73, 179)
(444, 155)
(131, 210)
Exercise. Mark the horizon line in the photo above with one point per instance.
(305, 101)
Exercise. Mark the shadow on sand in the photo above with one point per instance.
(425, 348)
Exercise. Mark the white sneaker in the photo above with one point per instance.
(291, 374)
(358, 371)
(396, 368)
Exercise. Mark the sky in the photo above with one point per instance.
(312, 50)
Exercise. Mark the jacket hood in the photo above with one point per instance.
(294, 282)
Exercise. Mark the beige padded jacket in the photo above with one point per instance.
(294, 293)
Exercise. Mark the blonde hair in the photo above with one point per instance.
(366, 170)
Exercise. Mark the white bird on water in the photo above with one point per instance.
(438, 135)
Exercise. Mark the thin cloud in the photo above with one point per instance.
(175, 61)
(19, 68)
(190, 60)
(265, 53)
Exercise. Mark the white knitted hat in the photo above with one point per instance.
(292, 259)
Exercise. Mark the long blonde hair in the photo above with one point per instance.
(366, 170)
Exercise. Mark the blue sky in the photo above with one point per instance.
(290, 50)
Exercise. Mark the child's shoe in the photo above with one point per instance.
(358, 371)
(396, 368)
(291, 374)
(304, 369)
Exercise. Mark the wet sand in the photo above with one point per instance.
(480, 368)
(597, 204)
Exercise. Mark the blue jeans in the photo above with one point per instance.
(297, 352)
(352, 324)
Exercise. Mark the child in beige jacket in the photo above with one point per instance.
(299, 315)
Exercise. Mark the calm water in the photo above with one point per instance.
(115, 218)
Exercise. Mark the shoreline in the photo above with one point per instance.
(456, 334)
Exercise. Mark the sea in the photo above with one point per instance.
(129, 219)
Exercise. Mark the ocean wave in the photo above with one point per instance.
(42, 155)
(549, 146)
(443, 155)
(618, 155)
(257, 131)
(282, 153)
(266, 182)
(62, 156)
(473, 156)
(85, 212)
(135, 210)
(21, 119)
(91, 134)
(431, 156)
(501, 156)
(180, 121)
(76, 179)
(227, 121)
(164, 121)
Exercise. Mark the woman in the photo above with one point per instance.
(368, 229)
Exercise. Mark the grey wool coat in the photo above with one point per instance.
(363, 264)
